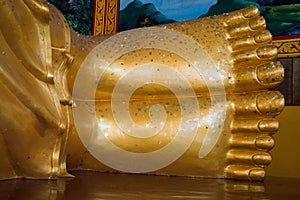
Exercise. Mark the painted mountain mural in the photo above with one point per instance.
(282, 16)
(137, 14)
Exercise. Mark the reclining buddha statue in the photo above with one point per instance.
(192, 98)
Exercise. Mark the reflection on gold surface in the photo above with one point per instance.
(91, 185)
(193, 98)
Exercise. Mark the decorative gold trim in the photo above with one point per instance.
(105, 19)
(288, 46)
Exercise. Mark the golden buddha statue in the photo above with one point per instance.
(192, 98)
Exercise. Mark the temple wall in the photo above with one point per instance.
(286, 153)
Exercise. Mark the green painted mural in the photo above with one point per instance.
(282, 16)
(78, 13)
